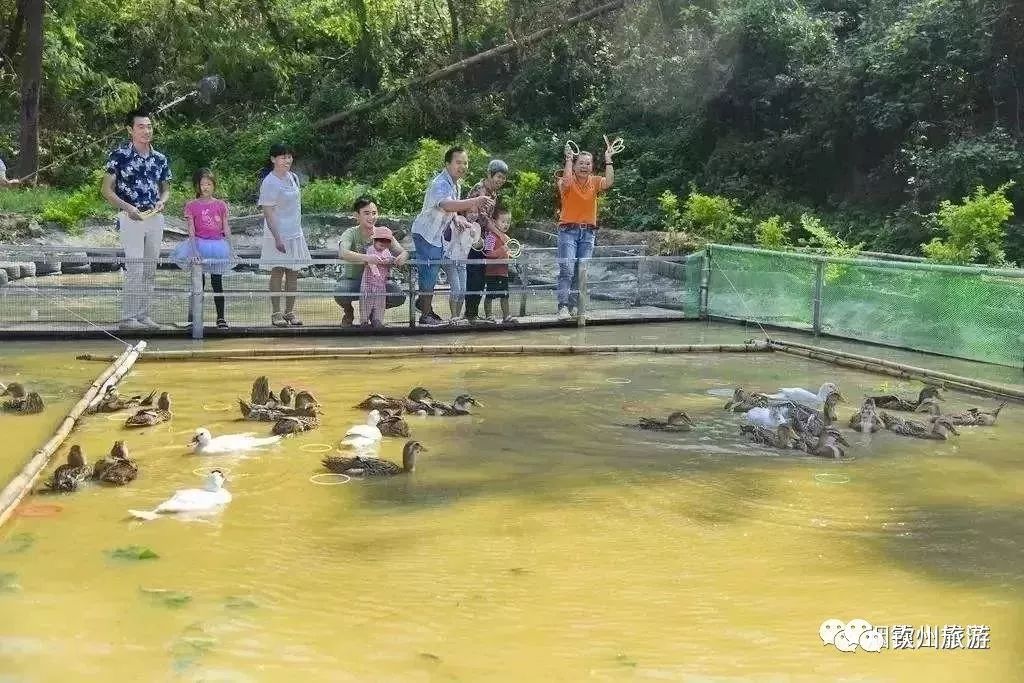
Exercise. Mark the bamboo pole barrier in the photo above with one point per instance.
(877, 365)
(452, 349)
(23, 482)
(123, 366)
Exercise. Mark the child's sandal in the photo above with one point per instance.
(277, 320)
(222, 323)
(292, 319)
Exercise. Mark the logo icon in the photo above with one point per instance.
(847, 637)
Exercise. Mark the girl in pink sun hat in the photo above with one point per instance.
(374, 286)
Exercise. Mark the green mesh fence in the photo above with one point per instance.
(972, 313)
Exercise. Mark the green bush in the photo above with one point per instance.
(401, 192)
(522, 199)
(331, 196)
(85, 202)
(773, 233)
(707, 218)
(975, 229)
(833, 245)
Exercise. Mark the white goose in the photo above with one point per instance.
(212, 496)
(364, 436)
(204, 443)
(770, 417)
(803, 395)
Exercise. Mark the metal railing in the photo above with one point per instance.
(91, 288)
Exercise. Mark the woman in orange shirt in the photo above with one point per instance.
(577, 222)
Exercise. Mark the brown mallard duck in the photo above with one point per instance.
(939, 429)
(148, 417)
(867, 418)
(392, 424)
(894, 402)
(829, 444)
(807, 420)
(972, 417)
(783, 437)
(112, 401)
(21, 401)
(305, 406)
(417, 401)
(676, 422)
(68, 476)
(259, 395)
(460, 406)
(295, 424)
(119, 469)
(743, 400)
(365, 466)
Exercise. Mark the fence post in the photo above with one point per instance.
(413, 279)
(640, 269)
(195, 304)
(705, 282)
(819, 277)
(524, 281)
(581, 283)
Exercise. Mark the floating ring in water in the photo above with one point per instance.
(39, 510)
(316, 447)
(569, 388)
(203, 471)
(618, 380)
(114, 417)
(830, 478)
(318, 479)
(216, 407)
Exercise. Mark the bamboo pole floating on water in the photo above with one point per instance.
(23, 482)
(877, 365)
(123, 366)
(449, 349)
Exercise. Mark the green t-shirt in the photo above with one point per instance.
(354, 240)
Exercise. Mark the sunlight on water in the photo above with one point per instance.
(541, 538)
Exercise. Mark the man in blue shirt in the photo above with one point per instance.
(138, 184)
(440, 204)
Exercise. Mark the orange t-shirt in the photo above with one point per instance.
(579, 202)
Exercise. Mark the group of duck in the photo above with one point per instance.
(791, 419)
(18, 400)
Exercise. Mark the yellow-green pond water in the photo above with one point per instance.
(539, 539)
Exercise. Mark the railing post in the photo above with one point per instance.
(581, 304)
(195, 304)
(705, 282)
(819, 278)
(413, 279)
(524, 281)
(640, 268)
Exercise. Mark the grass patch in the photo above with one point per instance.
(132, 552)
(17, 543)
(9, 582)
(30, 201)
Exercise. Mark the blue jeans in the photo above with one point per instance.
(427, 273)
(456, 273)
(573, 244)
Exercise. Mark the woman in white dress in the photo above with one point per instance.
(285, 251)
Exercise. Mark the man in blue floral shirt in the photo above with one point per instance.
(138, 183)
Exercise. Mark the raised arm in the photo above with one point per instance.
(567, 173)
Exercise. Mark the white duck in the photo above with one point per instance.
(212, 496)
(803, 395)
(770, 417)
(364, 436)
(204, 443)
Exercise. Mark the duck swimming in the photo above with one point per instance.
(209, 498)
(867, 419)
(365, 435)
(676, 422)
(781, 436)
(147, 417)
(26, 403)
(119, 469)
(418, 399)
(827, 444)
(894, 402)
(460, 406)
(112, 401)
(68, 476)
(770, 417)
(391, 424)
(798, 395)
(972, 417)
(305, 405)
(260, 393)
(810, 421)
(204, 443)
(742, 401)
(938, 430)
(365, 466)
